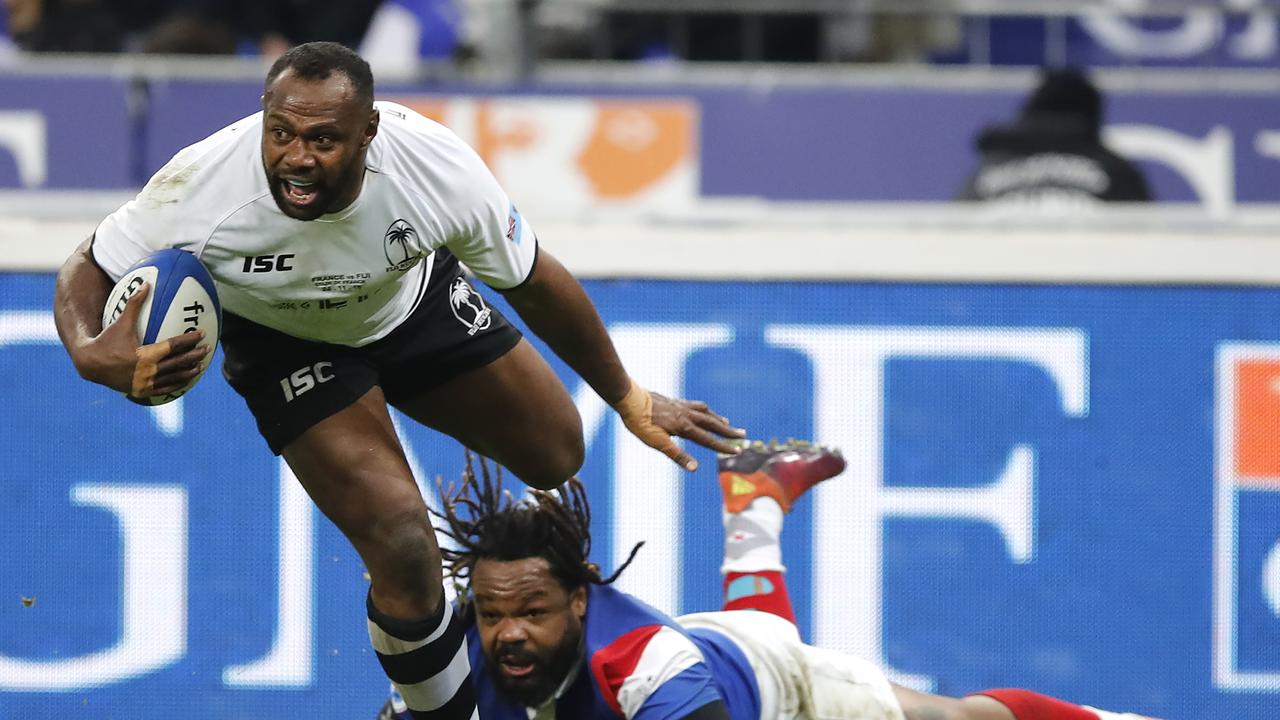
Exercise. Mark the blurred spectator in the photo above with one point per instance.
(403, 33)
(265, 27)
(6, 43)
(275, 26)
(187, 31)
(65, 25)
(902, 36)
(1053, 155)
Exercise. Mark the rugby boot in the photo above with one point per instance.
(782, 471)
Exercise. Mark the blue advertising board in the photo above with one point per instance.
(66, 132)
(1198, 37)
(1070, 489)
(865, 143)
(847, 143)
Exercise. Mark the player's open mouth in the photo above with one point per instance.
(516, 669)
(298, 192)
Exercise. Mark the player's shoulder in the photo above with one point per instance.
(402, 117)
(240, 135)
(621, 628)
(220, 170)
(648, 661)
(403, 128)
(645, 641)
(419, 150)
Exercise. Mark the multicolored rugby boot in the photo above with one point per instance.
(782, 471)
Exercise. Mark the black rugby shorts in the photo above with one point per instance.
(291, 384)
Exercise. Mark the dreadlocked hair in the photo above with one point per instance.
(487, 522)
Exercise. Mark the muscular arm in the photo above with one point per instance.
(558, 310)
(78, 297)
(111, 357)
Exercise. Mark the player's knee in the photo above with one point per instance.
(554, 462)
(402, 556)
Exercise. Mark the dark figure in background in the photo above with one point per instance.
(68, 26)
(277, 25)
(198, 27)
(267, 27)
(1053, 153)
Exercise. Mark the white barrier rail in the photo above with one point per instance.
(743, 239)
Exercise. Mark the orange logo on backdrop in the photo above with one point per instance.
(632, 144)
(635, 144)
(1257, 431)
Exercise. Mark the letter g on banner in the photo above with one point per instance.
(152, 522)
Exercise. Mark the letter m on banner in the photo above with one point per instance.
(1246, 524)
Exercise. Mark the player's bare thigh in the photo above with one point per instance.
(513, 410)
(353, 467)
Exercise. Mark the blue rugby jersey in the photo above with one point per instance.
(638, 663)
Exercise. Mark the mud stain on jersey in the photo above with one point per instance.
(167, 186)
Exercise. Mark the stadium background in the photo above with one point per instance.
(1063, 472)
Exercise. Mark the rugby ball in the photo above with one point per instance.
(182, 299)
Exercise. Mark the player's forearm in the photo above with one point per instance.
(79, 295)
(557, 309)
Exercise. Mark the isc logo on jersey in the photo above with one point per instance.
(182, 300)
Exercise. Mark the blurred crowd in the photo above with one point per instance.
(465, 28)
(243, 27)
(1051, 153)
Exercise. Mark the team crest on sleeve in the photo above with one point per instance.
(400, 244)
(468, 306)
(515, 230)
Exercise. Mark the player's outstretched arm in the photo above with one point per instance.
(558, 310)
(112, 357)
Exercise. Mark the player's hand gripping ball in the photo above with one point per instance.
(182, 299)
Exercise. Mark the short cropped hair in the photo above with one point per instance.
(319, 60)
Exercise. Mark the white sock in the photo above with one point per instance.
(1108, 715)
(752, 538)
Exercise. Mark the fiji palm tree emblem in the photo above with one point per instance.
(397, 244)
(468, 306)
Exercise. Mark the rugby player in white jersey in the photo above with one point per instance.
(333, 227)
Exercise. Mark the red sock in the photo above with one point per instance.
(1027, 705)
(764, 590)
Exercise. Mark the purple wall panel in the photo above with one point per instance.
(88, 135)
(868, 144)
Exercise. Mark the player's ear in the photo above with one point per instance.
(578, 601)
(371, 130)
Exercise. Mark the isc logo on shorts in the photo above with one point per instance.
(305, 378)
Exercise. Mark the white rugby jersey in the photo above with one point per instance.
(348, 277)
